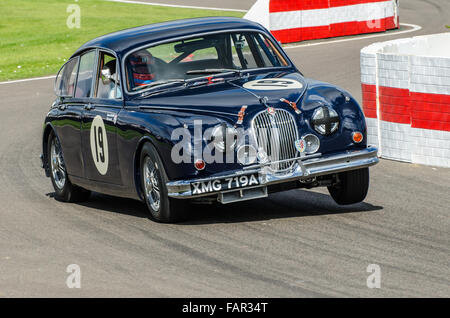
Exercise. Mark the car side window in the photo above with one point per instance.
(242, 55)
(108, 85)
(85, 75)
(268, 52)
(65, 82)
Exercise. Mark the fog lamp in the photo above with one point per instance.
(224, 138)
(312, 143)
(199, 164)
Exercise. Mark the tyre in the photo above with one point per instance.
(153, 184)
(64, 190)
(352, 187)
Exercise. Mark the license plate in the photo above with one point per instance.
(224, 184)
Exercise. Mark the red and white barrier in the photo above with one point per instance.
(406, 98)
(298, 20)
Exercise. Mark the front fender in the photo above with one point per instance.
(350, 114)
(46, 130)
(158, 127)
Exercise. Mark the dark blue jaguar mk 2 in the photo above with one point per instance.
(201, 110)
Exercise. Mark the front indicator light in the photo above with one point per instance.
(357, 137)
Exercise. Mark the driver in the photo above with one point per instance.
(110, 88)
(142, 68)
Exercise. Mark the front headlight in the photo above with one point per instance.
(224, 138)
(325, 120)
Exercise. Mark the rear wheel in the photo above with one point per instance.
(64, 189)
(352, 187)
(153, 183)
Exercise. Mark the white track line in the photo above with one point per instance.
(28, 79)
(176, 5)
(413, 26)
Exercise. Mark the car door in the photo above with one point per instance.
(67, 123)
(99, 130)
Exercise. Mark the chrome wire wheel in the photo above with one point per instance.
(151, 184)
(57, 164)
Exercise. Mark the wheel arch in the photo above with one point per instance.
(48, 129)
(137, 163)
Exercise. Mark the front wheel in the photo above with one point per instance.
(153, 183)
(352, 187)
(64, 189)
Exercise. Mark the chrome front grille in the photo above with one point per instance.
(276, 135)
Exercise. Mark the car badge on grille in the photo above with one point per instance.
(292, 104)
(271, 110)
(241, 114)
(300, 145)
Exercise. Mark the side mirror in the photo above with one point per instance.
(107, 77)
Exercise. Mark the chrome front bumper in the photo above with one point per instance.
(305, 168)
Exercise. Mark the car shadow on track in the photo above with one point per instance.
(294, 203)
(113, 204)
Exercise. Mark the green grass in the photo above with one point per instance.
(35, 40)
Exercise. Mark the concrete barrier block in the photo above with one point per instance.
(437, 152)
(414, 89)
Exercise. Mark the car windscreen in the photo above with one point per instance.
(185, 59)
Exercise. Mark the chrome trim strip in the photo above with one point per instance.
(276, 135)
(305, 168)
(156, 108)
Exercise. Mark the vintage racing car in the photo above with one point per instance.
(199, 110)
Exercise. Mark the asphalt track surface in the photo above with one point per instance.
(292, 244)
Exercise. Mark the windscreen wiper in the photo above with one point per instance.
(160, 83)
(211, 71)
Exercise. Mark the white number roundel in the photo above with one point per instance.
(271, 84)
(99, 145)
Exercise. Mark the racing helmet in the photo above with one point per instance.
(142, 64)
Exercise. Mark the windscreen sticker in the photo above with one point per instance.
(267, 84)
(99, 145)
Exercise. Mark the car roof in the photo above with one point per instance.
(126, 40)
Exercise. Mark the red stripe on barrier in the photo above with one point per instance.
(343, 3)
(392, 23)
(295, 5)
(421, 110)
(430, 111)
(301, 34)
(369, 95)
(395, 105)
(334, 30)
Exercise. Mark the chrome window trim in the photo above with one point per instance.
(118, 69)
(78, 71)
(150, 45)
(76, 77)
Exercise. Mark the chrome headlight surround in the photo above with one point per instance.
(247, 155)
(224, 138)
(312, 143)
(325, 120)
